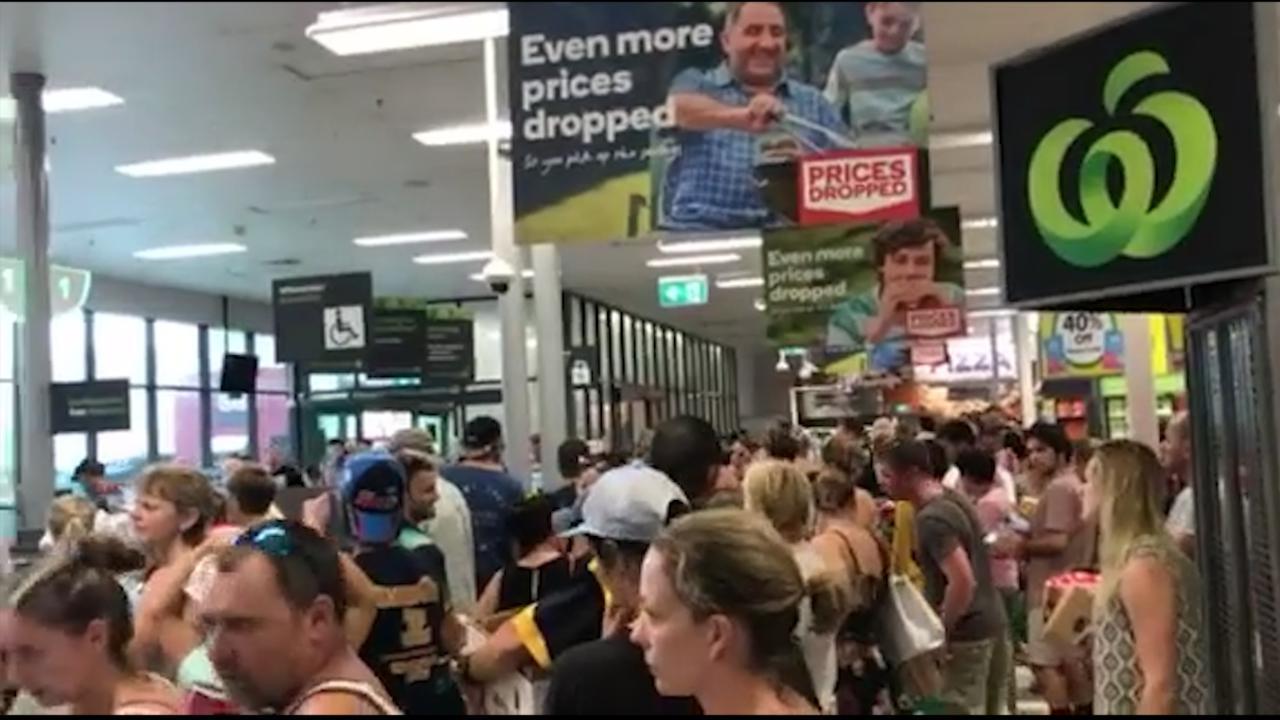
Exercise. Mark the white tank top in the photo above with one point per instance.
(819, 648)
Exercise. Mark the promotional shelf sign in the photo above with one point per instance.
(1080, 344)
(866, 287)
(631, 117)
(1139, 165)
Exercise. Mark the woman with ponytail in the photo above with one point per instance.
(720, 604)
(69, 631)
(70, 519)
(781, 493)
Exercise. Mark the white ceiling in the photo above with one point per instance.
(204, 77)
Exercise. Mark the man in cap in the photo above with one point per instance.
(625, 510)
(414, 632)
(490, 492)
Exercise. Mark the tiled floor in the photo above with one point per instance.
(1028, 703)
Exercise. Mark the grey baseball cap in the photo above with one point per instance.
(630, 503)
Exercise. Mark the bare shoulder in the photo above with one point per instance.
(1143, 577)
(338, 702)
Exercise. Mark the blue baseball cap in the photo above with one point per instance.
(373, 485)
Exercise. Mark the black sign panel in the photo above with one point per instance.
(583, 366)
(450, 351)
(398, 341)
(322, 319)
(100, 405)
(1131, 158)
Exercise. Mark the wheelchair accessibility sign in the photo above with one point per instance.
(344, 328)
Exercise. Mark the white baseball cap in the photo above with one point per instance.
(631, 503)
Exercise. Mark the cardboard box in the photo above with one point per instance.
(1068, 607)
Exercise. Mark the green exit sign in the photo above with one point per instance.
(682, 291)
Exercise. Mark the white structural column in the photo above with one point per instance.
(511, 304)
(1140, 382)
(552, 413)
(35, 488)
(1024, 343)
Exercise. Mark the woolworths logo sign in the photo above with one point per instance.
(1131, 222)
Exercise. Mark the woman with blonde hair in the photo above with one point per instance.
(720, 600)
(782, 494)
(1150, 655)
(70, 518)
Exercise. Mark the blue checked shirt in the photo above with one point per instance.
(711, 183)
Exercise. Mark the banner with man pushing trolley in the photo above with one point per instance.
(634, 117)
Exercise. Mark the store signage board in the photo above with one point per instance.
(1141, 168)
(450, 351)
(323, 319)
(97, 406)
(69, 287)
(398, 344)
(1080, 344)
(583, 366)
(852, 185)
(683, 291)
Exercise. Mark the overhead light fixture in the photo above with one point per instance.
(183, 252)
(479, 277)
(403, 26)
(983, 292)
(469, 134)
(429, 236)
(760, 305)
(710, 246)
(453, 258)
(982, 223)
(957, 140)
(59, 100)
(685, 261)
(992, 314)
(984, 264)
(196, 164)
(742, 282)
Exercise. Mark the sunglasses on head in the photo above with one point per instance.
(272, 538)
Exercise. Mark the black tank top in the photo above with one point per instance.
(523, 586)
(403, 647)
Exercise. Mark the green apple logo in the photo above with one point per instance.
(1131, 227)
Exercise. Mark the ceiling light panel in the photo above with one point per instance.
(430, 236)
(196, 164)
(405, 26)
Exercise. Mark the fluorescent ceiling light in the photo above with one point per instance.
(710, 246)
(983, 292)
(981, 223)
(196, 164)
(182, 252)
(744, 282)
(464, 134)
(403, 26)
(956, 140)
(761, 307)
(78, 98)
(479, 277)
(683, 261)
(453, 258)
(991, 314)
(410, 238)
(984, 264)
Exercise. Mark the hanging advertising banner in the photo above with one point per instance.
(1140, 169)
(859, 185)
(1080, 344)
(633, 117)
(872, 287)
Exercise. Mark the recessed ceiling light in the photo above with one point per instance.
(984, 264)
(994, 313)
(429, 236)
(196, 164)
(464, 134)
(684, 261)
(453, 258)
(478, 277)
(956, 140)
(402, 26)
(745, 282)
(710, 246)
(182, 252)
(57, 100)
(983, 292)
(981, 223)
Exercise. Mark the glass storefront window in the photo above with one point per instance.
(177, 355)
(273, 423)
(68, 347)
(272, 375)
(68, 451)
(230, 425)
(8, 443)
(178, 426)
(8, 325)
(124, 452)
(120, 348)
